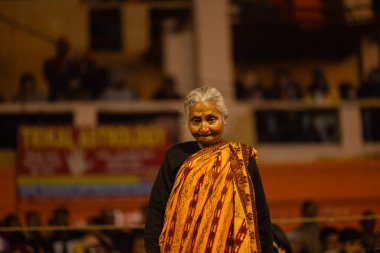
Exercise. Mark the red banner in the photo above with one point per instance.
(111, 160)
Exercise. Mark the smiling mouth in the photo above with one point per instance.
(206, 135)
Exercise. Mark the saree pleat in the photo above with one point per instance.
(212, 206)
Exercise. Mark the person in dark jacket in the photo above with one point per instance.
(208, 194)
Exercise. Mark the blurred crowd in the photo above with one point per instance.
(104, 236)
(80, 78)
(310, 236)
(285, 87)
(312, 124)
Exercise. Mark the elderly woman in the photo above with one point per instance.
(208, 195)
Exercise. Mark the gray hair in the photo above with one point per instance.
(205, 94)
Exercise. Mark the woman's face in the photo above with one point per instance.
(206, 124)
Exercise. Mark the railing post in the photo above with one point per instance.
(351, 129)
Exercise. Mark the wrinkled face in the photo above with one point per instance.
(206, 124)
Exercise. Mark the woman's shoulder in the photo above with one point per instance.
(178, 153)
(245, 148)
(186, 148)
(237, 143)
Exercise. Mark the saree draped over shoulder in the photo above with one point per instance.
(212, 205)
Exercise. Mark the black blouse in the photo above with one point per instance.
(163, 185)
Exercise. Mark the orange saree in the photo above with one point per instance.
(212, 205)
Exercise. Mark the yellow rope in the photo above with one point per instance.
(112, 227)
(66, 228)
(326, 219)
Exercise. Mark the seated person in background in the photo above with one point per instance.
(137, 241)
(350, 239)
(376, 246)
(60, 240)
(4, 247)
(92, 242)
(75, 91)
(368, 229)
(27, 90)
(285, 87)
(318, 88)
(167, 89)
(15, 239)
(117, 89)
(371, 87)
(93, 78)
(329, 237)
(248, 86)
(35, 239)
(347, 91)
(118, 237)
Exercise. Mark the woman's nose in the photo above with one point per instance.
(204, 128)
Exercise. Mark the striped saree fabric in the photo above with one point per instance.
(212, 206)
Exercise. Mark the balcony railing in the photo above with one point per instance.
(280, 130)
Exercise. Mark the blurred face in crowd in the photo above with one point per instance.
(61, 217)
(368, 224)
(108, 216)
(332, 243)
(138, 245)
(309, 209)
(250, 78)
(353, 247)
(206, 124)
(33, 219)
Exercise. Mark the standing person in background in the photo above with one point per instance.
(368, 229)
(59, 70)
(308, 232)
(208, 195)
